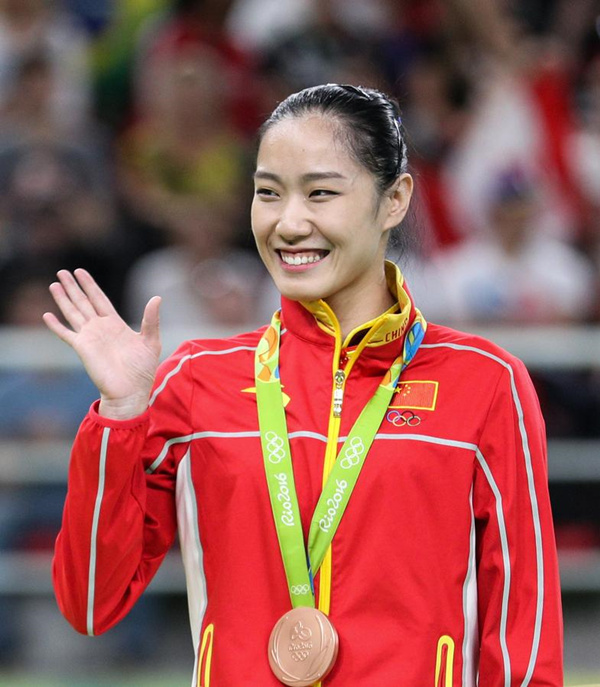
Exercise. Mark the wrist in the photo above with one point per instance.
(123, 408)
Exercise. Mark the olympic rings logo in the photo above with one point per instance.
(404, 418)
(274, 447)
(353, 453)
(299, 589)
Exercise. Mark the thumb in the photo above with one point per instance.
(150, 329)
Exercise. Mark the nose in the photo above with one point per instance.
(293, 223)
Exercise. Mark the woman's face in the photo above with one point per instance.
(319, 222)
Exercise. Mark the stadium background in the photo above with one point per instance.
(126, 146)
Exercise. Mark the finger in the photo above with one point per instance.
(56, 327)
(150, 328)
(76, 294)
(101, 302)
(70, 311)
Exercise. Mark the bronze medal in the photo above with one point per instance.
(303, 647)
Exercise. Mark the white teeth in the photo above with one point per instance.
(300, 260)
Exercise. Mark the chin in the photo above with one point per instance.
(296, 293)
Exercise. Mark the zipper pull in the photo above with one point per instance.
(338, 393)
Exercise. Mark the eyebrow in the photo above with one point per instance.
(309, 176)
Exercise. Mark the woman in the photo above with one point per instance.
(443, 566)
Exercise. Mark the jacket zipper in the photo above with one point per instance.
(342, 365)
(333, 433)
(339, 379)
(341, 370)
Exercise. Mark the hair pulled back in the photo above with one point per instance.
(370, 120)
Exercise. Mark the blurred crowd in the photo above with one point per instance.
(127, 139)
(127, 135)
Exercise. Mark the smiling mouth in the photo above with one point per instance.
(308, 257)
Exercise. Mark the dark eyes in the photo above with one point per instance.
(268, 193)
(265, 192)
(322, 193)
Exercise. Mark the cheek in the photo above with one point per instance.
(257, 223)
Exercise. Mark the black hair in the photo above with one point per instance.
(371, 125)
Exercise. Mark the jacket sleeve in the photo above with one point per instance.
(519, 606)
(119, 519)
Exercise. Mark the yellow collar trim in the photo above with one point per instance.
(382, 329)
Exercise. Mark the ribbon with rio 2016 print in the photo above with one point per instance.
(299, 565)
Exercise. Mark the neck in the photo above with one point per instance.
(352, 312)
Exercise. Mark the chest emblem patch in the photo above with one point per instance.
(415, 395)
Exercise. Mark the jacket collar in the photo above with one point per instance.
(315, 321)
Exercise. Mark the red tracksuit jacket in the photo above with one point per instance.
(443, 571)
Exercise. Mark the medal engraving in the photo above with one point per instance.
(303, 647)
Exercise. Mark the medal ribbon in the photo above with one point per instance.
(300, 567)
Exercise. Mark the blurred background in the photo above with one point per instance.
(127, 141)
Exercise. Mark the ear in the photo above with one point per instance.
(399, 200)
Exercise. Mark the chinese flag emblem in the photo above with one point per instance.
(416, 395)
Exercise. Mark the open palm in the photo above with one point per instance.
(121, 362)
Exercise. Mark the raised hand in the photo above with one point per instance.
(122, 363)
